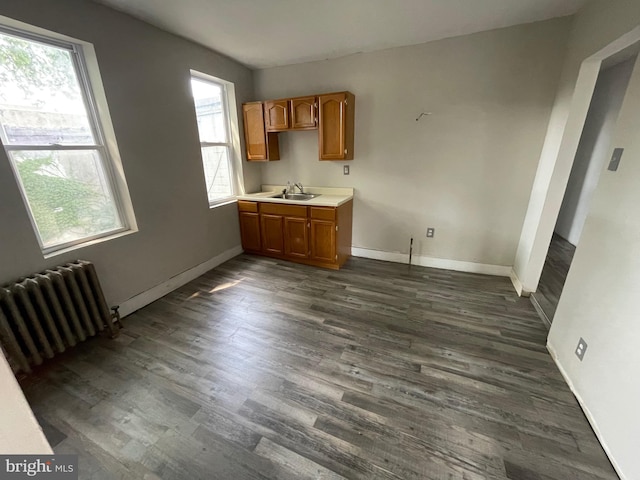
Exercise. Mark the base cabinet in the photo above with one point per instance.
(250, 231)
(323, 241)
(272, 234)
(318, 236)
(296, 237)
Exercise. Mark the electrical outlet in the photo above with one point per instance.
(581, 349)
(431, 232)
(345, 169)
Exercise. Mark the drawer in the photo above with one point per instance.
(244, 206)
(323, 213)
(283, 209)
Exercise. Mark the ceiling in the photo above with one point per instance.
(267, 33)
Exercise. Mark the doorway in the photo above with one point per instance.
(591, 157)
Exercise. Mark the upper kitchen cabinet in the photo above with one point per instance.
(336, 115)
(303, 113)
(260, 145)
(276, 114)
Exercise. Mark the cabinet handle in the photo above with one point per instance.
(345, 151)
(309, 225)
(336, 228)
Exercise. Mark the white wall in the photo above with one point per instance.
(466, 170)
(599, 301)
(20, 432)
(145, 72)
(594, 149)
(597, 25)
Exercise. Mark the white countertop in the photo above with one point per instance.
(327, 196)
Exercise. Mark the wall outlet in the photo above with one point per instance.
(345, 169)
(581, 349)
(431, 232)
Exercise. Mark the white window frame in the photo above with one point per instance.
(88, 75)
(233, 139)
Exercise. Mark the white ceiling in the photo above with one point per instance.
(267, 33)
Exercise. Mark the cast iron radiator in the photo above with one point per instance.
(48, 312)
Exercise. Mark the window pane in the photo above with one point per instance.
(217, 173)
(41, 101)
(68, 194)
(209, 111)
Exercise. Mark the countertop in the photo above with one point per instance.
(328, 196)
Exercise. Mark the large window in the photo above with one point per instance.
(211, 98)
(50, 130)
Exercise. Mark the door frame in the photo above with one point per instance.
(554, 168)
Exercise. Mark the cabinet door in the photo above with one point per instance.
(336, 126)
(250, 231)
(296, 237)
(272, 233)
(323, 241)
(303, 113)
(276, 114)
(254, 134)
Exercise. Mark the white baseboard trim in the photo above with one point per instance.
(442, 263)
(145, 298)
(517, 284)
(586, 411)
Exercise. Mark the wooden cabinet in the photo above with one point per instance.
(276, 114)
(323, 241)
(250, 231)
(260, 145)
(272, 233)
(318, 236)
(296, 237)
(336, 115)
(250, 226)
(303, 113)
(333, 114)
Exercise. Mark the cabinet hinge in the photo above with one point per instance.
(345, 102)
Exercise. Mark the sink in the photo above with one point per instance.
(297, 196)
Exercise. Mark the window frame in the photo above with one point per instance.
(104, 144)
(233, 142)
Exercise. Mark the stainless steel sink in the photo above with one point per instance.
(297, 196)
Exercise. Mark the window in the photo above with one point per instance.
(50, 130)
(211, 99)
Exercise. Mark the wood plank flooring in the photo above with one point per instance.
(262, 369)
(554, 274)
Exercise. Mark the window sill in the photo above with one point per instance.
(222, 203)
(89, 243)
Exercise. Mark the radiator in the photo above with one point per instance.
(46, 313)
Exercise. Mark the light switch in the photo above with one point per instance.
(615, 159)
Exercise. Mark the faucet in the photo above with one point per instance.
(299, 185)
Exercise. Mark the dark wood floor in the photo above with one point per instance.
(266, 369)
(554, 274)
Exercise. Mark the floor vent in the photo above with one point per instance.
(46, 313)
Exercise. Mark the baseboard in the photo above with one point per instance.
(145, 298)
(543, 316)
(587, 412)
(441, 263)
(517, 284)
